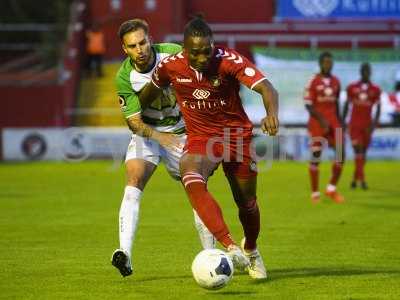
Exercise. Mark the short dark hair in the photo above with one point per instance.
(131, 26)
(365, 65)
(324, 55)
(197, 27)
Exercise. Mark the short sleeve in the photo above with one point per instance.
(160, 77)
(128, 99)
(240, 67)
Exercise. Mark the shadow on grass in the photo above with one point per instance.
(380, 193)
(330, 272)
(375, 206)
(162, 278)
(10, 195)
(232, 293)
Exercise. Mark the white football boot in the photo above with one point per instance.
(239, 260)
(120, 259)
(256, 268)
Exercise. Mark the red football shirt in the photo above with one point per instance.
(210, 101)
(362, 96)
(323, 94)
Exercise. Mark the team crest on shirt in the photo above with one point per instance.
(328, 91)
(122, 102)
(363, 96)
(215, 81)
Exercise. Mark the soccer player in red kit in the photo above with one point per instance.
(206, 80)
(322, 102)
(362, 96)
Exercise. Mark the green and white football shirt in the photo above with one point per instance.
(163, 114)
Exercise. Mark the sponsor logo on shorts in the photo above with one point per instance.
(253, 166)
(122, 103)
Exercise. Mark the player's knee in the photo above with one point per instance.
(315, 157)
(248, 203)
(136, 181)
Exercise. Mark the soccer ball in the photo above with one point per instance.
(212, 269)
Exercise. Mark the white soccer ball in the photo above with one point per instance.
(212, 269)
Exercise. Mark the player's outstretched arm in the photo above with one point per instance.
(148, 94)
(167, 140)
(270, 124)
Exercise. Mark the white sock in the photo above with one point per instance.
(315, 194)
(331, 188)
(128, 217)
(206, 237)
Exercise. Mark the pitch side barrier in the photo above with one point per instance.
(77, 144)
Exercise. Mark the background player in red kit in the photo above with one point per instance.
(362, 95)
(206, 80)
(324, 126)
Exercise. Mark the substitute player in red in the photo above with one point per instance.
(206, 80)
(362, 96)
(322, 102)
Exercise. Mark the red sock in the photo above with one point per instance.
(206, 207)
(336, 171)
(314, 177)
(249, 216)
(359, 166)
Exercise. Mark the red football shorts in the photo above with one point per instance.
(318, 138)
(234, 156)
(360, 136)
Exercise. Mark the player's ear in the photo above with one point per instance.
(150, 38)
(124, 48)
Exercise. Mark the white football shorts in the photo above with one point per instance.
(151, 151)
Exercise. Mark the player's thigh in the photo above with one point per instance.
(318, 139)
(172, 157)
(142, 157)
(197, 163)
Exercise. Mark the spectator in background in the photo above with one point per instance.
(362, 95)
(95, 49)
(395, 101)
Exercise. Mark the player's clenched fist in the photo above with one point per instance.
(270, 125)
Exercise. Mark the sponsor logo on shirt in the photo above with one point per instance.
(183, 80)
(201, 94)
(204, 105)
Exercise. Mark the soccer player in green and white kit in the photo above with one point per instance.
(158, 133)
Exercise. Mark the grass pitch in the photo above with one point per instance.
(59, 223)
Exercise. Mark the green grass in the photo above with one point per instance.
(58, 228)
